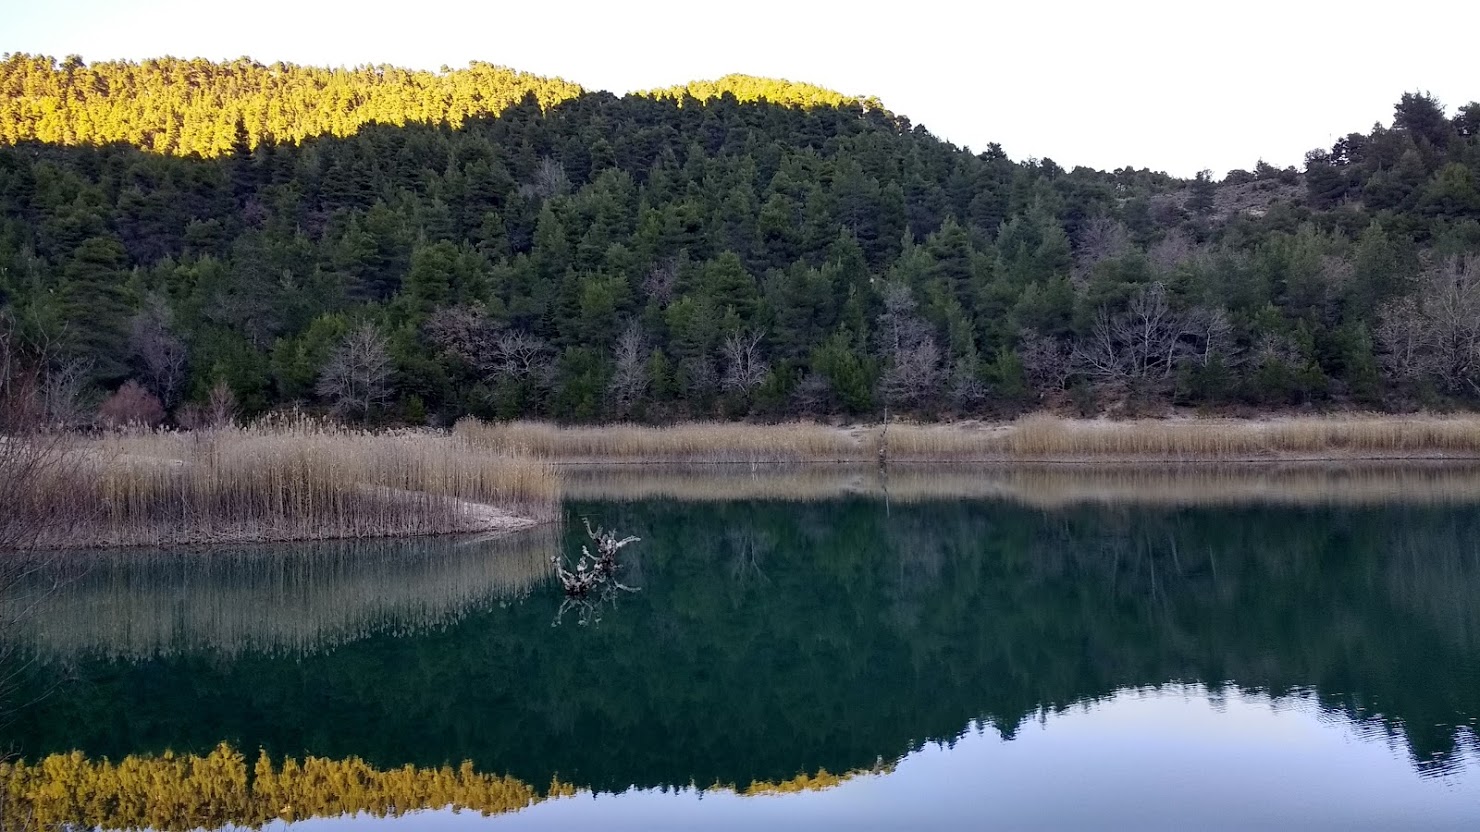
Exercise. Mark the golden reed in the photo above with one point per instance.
(298, 480)
(1033, 438)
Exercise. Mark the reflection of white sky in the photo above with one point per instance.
(1168, 759)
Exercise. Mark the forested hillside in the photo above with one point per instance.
(406, 246)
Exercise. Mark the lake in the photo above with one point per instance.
(818, 648)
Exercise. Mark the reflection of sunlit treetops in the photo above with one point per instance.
(285, 598)
(181, 792)
(804, 782)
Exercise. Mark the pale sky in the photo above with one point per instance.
(1175, 86)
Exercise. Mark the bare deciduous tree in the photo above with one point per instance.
(1215, 332)
(914, 360)
(357, 376)
(492, 351)
(812, 392)
(463, 332)
(914, 373)
(160, 352)
(1402, 337)
(1437, 332)
(1143, 342)
(1171, 251)
(967, 388)
(523, 357)
(899, 325)
(698, 372)
(629, 377)
(1102, 238)
(1046, 362)
(744, 366)
(219, 411)
(550, 179)
(64, 393)
(221, 407)
(34, 456)
(661, 281)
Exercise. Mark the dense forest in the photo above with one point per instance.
(187, 238)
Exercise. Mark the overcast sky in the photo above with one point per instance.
(1175, 86)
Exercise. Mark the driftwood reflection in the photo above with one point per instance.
(592, 584)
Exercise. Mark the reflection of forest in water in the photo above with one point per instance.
(773, 638)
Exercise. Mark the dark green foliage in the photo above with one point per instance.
(693, 214)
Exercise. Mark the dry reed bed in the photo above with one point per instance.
(276, 599)
(1032, 438)
(694, 442)
(1047, 487)
(301, 481)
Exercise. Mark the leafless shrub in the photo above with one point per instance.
(744, 366)
(698, 371)
(357, 376)
(131, 406)
(219, 411)
(900, 326)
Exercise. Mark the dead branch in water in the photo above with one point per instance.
(592, 581)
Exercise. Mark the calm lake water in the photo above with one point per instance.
(821, 649)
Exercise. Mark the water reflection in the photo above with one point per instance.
(777, 637)
(1044, 486)
(1173, 757)
(290, 599)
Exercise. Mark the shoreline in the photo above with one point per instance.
(1010, 462)
(1037, 439)
(302, 482)
(1045, 486)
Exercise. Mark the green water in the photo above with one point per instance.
(774, 638)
